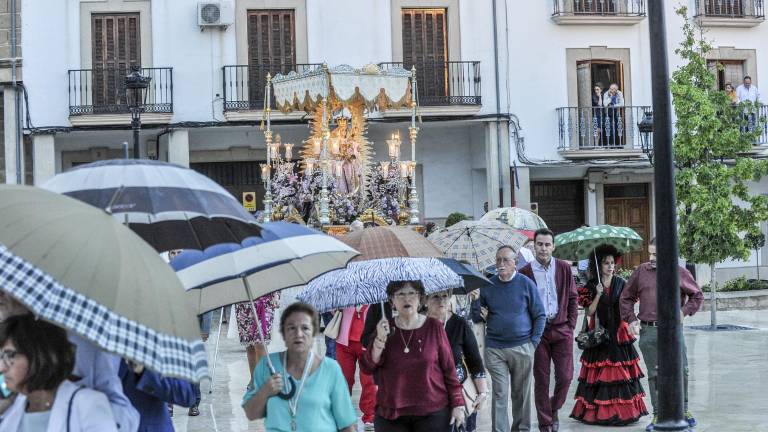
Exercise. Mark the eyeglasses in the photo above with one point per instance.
(402, 295)
(7, 357)
(440, 296)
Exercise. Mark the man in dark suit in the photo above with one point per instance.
(557, 290)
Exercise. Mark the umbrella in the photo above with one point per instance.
(365, 282)
(579, 243)
(477, 241)
(169, 206)
(516, 218)
(283, 256)
(387, 242)
(79, 268)
(472, 278)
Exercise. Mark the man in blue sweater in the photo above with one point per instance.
(515, 319)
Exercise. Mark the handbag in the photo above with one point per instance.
(334, 325)
(591, 338)
(469, 391)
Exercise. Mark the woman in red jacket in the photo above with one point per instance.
(414, 366)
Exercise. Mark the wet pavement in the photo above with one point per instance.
(728, 382)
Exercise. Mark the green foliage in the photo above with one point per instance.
(739, 284)
(715, 207)
(624, 273)
(455, 218)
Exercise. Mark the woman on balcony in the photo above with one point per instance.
(613, 101)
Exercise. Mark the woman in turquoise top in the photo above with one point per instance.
(308, 392)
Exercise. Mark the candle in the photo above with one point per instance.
(339, 169)
(403, 169)
(310, 166)
(316, 143)
(288, 151)
(264, 172)
(385, 169)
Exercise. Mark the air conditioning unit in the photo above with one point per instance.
(215, 14)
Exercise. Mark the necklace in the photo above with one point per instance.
(293, 403)
(406, 350)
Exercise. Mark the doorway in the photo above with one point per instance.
(628, 205)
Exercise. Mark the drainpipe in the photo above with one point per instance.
(498, 101)
(16, 101)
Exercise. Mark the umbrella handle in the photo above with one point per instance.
(597, 267)
(292, 387)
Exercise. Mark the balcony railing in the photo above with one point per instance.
(102, 91)
(244, 85)
(760, 120)
(730, 9)
(626, 8)
(595, 128)
(445, 83)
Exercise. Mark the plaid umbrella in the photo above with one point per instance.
(81, 269)
(365, 282)
(579, 244)
(516, 218)
(477, 241)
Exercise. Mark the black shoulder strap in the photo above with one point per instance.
(69, 408)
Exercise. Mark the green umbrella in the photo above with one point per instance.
(79, 268)
(578, 244)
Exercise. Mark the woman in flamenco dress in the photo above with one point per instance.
(609, 392)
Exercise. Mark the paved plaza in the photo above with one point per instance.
(729, 377)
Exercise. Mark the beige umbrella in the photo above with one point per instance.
(477, 241)
(76, 266)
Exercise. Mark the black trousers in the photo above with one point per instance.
(436, 422)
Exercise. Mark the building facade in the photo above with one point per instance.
(505, 87)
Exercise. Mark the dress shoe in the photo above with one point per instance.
(194, 411)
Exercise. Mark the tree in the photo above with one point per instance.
(716, 207)
(455, 218)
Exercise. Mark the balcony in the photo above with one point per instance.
(448, 83)
(592, 132)
(592, 12)
(729, 13)
(761, 121)
(98, 96)
(244, 85)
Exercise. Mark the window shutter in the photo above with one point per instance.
(425, 46)
(116, 47)
(271, 48)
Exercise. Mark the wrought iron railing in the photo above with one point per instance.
(599, 7)
(730, 8)
(244, 85)
(445, 83)
(760, 120)
(597, 128)
(102, 90)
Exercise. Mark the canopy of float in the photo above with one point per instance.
(379, 89)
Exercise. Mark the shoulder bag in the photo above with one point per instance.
(334, 325)
(591, 338)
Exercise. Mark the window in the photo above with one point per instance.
(271, 47)
(116, 48)
(723, 7)
(425, 46)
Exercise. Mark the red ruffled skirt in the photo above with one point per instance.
(609, 391)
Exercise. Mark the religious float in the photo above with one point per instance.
(332, 179)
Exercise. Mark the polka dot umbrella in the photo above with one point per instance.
(578, 244)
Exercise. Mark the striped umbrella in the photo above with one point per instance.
(169, 206)
(79, 268)
(283, 256)
(579, 243)
(477, 241)
(516, 218)
(365, 282)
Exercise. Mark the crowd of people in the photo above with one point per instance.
(420, 364)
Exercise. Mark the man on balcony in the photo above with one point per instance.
(748, 92)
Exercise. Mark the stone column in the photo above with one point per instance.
(506, 164)
(492, 165)
(9, 136)
(178, 147)
(43, 158)
(523, 194)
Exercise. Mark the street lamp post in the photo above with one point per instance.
(646, 134)
(670, 356)
(136, 86)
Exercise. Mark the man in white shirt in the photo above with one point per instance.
(748, 92)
